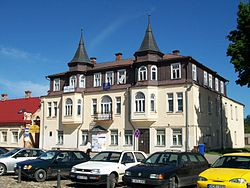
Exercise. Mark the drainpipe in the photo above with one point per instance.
(43, 126)
(186, 109)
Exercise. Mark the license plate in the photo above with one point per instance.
(138, 181)
(215, 186)
(82, 177)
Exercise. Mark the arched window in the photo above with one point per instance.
(72, 81)
(152, 103)
(82, 81)
(106, 105)
(142, 73)
(153, 72)
(140, 102)
(68, 107)
(79, 107)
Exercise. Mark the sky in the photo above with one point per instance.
(38, 38)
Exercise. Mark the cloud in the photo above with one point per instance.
(20, 54)
(16, 88)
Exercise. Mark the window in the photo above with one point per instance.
(128, 137)
(205, 78)
(152, 103)
(231, 109)
(85, 137)
(139, 156)
(60, 137)
(82, 81)
(94, 106)
(97, 80)
(114, 137)
(140, 102)
(110, 77)
(160, 135)
(118, 105)
(79, 107)
(142, 73)
(210, 81)
(14, 138)
(4, 136)
(222, 87)
(177, 137)
(106, 105)
(49, 109)
(170, 102)
(194, 72)
(68, 107)
(72, 81)
(57, 84)
(209, 105)
(121, 76)
(236, 113)
(128, 157)
(153, 72)
(216, 84)
(180, 102)
(55, 108)
(176, 71)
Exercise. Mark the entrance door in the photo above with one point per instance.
(144, 140)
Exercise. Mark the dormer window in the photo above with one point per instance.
(194, 72)
(142, 73)
(153, 72)
(222, 87)
(205, 78)
(121, 76)
(82, 81)
(176, 71)
(216, 84)
(97, 79)
(110, 77)
(56, 84)
(210, 81)
(72, 81)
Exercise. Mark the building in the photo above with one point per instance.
(150, 102)
(19, 121)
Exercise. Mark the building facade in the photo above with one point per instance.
(151, 102)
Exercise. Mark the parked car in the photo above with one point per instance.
(167, 168)
(230, 170)
(106, 164)
(9, 159)
(3, 150)
(48, 164)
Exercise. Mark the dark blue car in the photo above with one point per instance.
(48, 164)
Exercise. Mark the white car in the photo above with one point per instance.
(106, 167)
(9, 159)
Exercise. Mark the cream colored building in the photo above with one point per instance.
(152, 102)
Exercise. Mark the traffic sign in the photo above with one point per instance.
(137, 133)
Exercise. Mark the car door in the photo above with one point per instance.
(62, 162)
(21, 155)
(183, 171)
(78, 157)
(127, 161)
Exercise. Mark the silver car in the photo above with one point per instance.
(9, 159)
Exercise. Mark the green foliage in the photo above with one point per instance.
(247, 124)
(239, 48)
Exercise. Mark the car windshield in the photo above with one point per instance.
(47, 155)
(11, 152)
(162, 159)
(107, 157)
(232, 162)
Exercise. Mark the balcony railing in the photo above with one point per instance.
(68, 89)
(103, 116)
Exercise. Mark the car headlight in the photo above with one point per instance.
(127, 173)
(95, 171)
(238, 180)
(27, 167)
(200, 178)
(15, 165)
(73, 169)
(157, 176)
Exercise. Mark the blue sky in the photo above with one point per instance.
(39, 38)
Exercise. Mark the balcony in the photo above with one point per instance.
(103, 117)
(67, 89)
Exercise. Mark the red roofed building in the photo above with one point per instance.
(16, 118)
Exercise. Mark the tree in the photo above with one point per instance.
(239, 48)
(247, 124)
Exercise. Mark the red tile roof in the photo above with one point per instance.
(12, 111)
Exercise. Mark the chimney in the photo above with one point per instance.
(93, 60)
(118, 56)
(176, 52)
(4, 97)
(27, 94)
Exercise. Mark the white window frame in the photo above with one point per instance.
(56, 84)
(231, 110)
(60, 137)
(175, 71)
(72, 81)
(109, 77)
(106, 105)
(142, 73)
(179, 98)
(140, 102)
(49, 109)
(194, 72)
(170, 99)
(118, 105)
(14, 138)
(121, 76)
(177, 137)
(114, 137)
(222, 87)
(152, 103)
(216, 84)
(68, 107)
(94, 106)
(55, 107)
(210, 81)
(97, 79)
(236, 113)
(128, 136)
(154, 72)
(160, 137)
(79, 107)
(82, 81)
(4, 136)
(205, 78)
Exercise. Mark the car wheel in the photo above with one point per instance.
(2, 169)
(112, 180)
(173, 182)
(40, 175)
